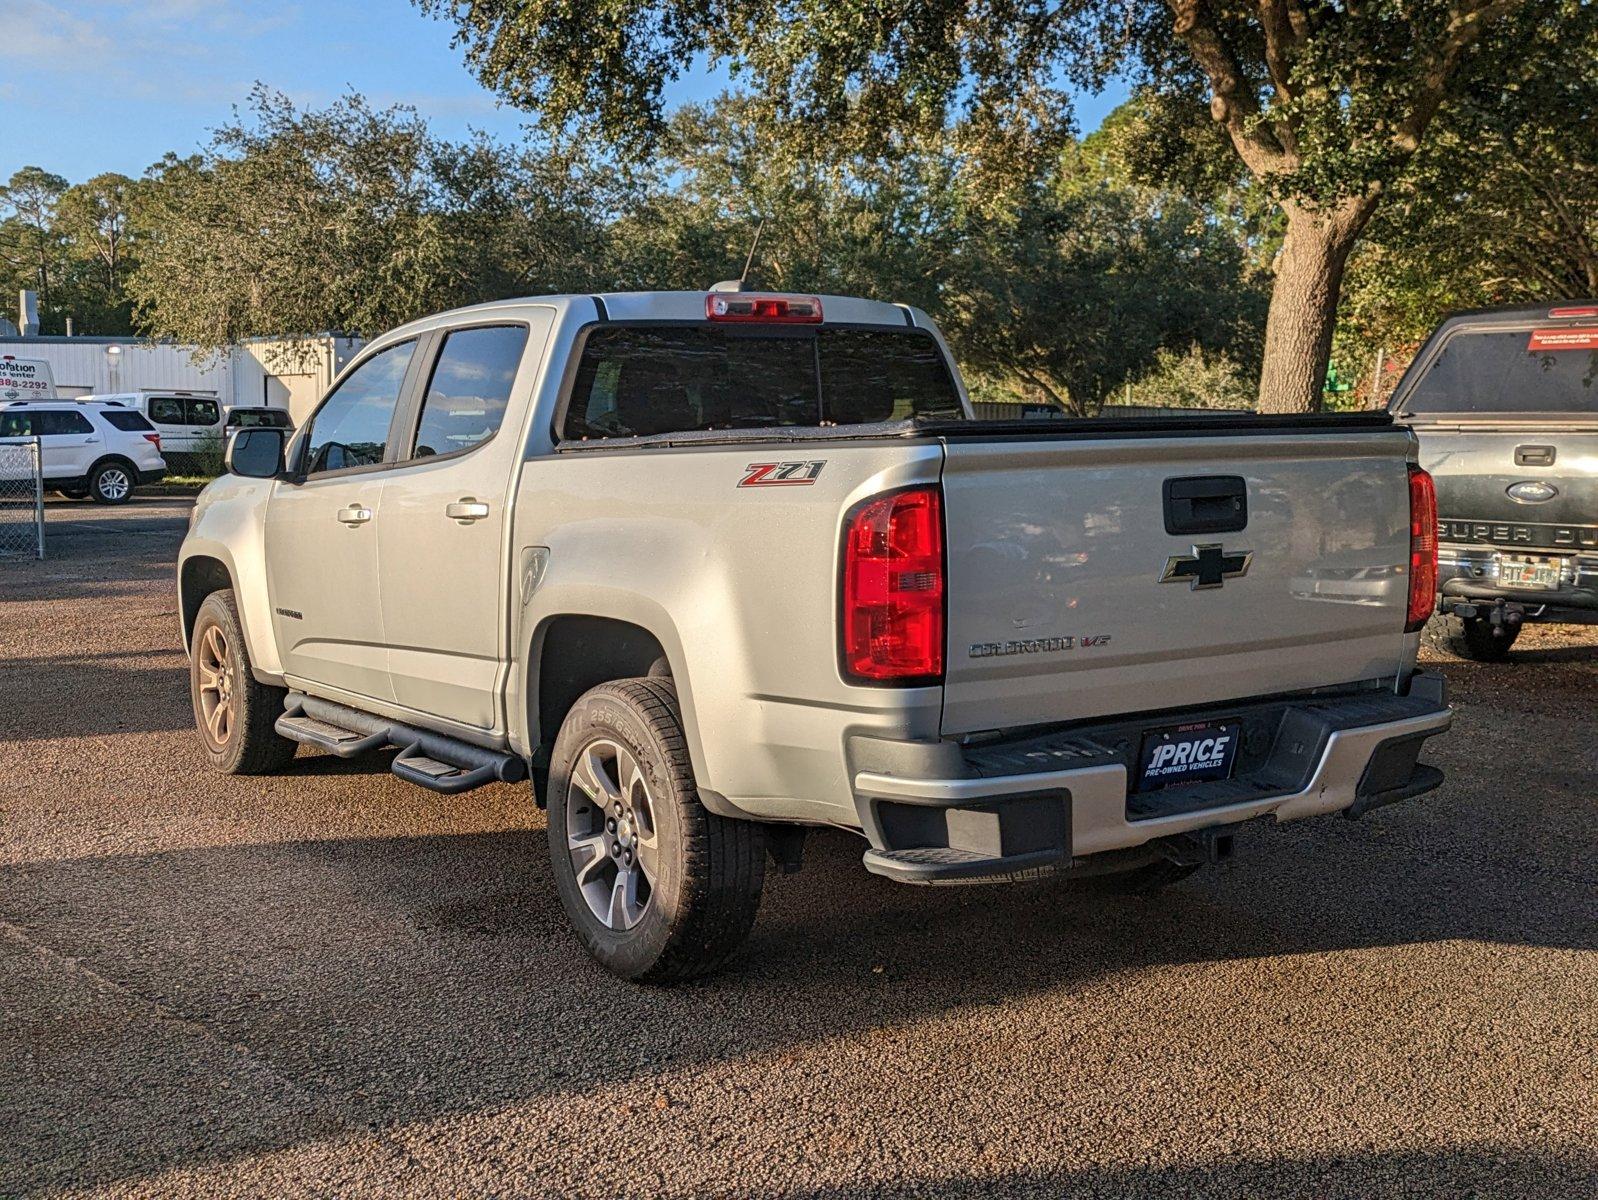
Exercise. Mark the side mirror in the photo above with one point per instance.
(256, 453)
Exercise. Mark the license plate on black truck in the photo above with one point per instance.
(1188, 753)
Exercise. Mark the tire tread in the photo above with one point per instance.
(723, 860)
(261, 750)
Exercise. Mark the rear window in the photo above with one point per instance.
(634, 381)
(127, 422)
(1526, 371)
(258, 418)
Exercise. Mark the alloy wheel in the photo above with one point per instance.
(114, 483)
(611, 834)
(214, 662)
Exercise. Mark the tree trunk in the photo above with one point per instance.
(1309, 277)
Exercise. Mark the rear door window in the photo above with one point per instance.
(202, 412)
(58, 423)
(1520, 371)
(127, 422)
(635, 381)
(470, 388)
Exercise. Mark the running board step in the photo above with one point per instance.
(434, 761)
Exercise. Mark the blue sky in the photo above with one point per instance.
(112, 86)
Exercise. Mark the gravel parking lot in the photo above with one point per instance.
(333, 983)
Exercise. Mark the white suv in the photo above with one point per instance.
(102, 451)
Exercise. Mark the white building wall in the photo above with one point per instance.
(261, 371)
(82, 365)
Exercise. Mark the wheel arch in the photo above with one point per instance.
(571, 652)
(198, 576)
(105, 459)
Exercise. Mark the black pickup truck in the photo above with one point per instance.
(1505, 404)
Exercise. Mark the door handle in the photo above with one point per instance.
(355, 514)
(89, 441)
(466, 510)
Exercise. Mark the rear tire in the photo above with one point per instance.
(233, 712)
(112, 482)
(658, 888)
(1472, 638)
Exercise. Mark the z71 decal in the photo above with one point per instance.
(782, 474)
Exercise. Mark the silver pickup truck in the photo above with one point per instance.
(1505, 403)
(716, 567)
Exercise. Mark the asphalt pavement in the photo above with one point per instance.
(332, 983)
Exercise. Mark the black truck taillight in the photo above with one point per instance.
(893, 582)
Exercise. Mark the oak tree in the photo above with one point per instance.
(1323, 102)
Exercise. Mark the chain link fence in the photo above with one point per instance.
(21, 499)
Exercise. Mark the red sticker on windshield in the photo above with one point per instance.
(1584, 338)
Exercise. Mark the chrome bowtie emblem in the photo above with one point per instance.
(1209, 566)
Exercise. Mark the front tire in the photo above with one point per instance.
(658, 888)
(112, 482)
(233, 712)
(1472, 638)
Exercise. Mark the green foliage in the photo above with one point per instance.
(72, 245)
(350, 219)
(1322, 105)
(356, 220)
(1090, 285)
(1501, 207)
(1193, 378)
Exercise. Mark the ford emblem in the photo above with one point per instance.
(1533, 491)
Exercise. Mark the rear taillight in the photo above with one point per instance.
(734, 306)
(893, 589)
(154, 439)
(1422, 548)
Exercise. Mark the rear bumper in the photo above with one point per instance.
(154, 475)
(1052, 803)
(1471, 573)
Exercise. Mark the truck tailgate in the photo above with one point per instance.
(1479, 467)
(1068, 598)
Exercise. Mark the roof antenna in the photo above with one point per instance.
(745, 282)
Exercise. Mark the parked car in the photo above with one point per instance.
(717, 567)
(250, 417)
(190, 423)
(101, 451)
(1505, 403)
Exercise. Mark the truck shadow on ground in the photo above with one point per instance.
(96, 693)
(1472, 1171)
(404, 979)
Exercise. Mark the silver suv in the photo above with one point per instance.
(95, 450)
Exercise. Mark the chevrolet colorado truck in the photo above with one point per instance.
(1505, 403)
(716, 567)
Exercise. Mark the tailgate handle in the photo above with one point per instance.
(1534, 456)
(1205, 504)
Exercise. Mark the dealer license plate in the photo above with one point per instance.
(1528, 572)
(1188, 753)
